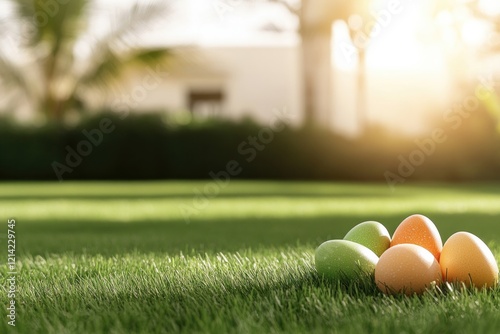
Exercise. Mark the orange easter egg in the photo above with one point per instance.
(466, 258)
(407, 269)
(419, 230)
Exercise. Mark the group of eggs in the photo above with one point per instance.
(412, 261)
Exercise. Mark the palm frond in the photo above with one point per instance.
(104, 72)
(113, 52)
(150, 56)
(131, 23)
(51, 20)
(108, 72)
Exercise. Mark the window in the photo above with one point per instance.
(206, 103)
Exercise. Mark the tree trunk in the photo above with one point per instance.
(316, 70)
(52, 108)
(362, 93)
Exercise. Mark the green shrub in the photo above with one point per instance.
(152, 146)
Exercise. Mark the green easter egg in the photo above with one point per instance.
(370, 234)
(343, 259)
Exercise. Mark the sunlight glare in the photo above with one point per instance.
(395, 47)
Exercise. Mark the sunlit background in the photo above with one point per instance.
(401, 67)
(417, 59)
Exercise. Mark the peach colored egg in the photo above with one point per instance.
(466, 258)
(419, 230)
(407, 269)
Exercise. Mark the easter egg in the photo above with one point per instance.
(344, 260)
(466, 258)
(370, 234)
(419, 230)
(408, 269)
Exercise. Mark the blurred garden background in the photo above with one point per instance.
(353, 88)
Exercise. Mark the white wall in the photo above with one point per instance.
(254, 80)
(259, 80)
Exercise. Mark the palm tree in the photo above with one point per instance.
(42, 60)
(361, 82)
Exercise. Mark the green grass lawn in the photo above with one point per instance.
(120, 258)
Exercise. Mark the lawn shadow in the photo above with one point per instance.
(117, 197)
(220, 235)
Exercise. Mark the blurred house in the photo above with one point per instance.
(236, 82)
(232, 82)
